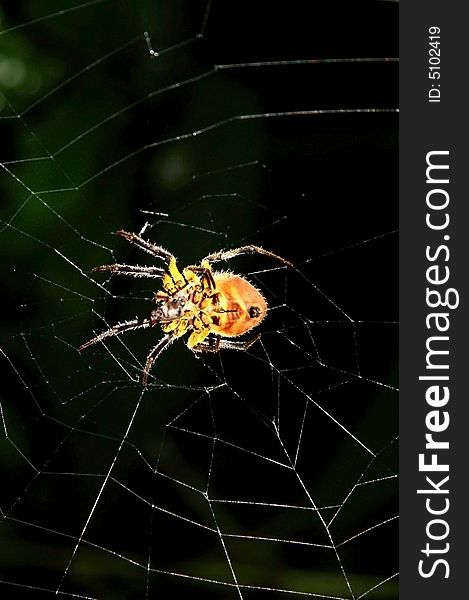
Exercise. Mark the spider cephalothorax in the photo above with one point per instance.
(211, 305)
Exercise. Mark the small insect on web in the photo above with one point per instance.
(210, 304)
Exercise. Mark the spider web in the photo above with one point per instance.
(266, 473)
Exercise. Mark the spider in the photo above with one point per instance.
(214, 306)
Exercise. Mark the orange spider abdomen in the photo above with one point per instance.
(241, 305)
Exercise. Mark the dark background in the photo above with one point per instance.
(98, 135)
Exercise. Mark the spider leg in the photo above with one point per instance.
(117, 330)
(146, 246)
(251, 249)
(238, 344)
(216, 343)
(133, 270)
(211, 344)
(153, 355)
(176, 278)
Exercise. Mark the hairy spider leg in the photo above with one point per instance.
(175, 281)
(133, 270)
(153, 355)
(146, 246)
(175, 277)
(250, 249)
(217, 343)
(117, 330)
